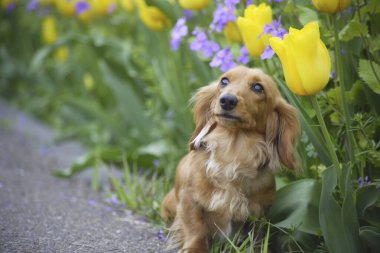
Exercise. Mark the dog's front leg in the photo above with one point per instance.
(194, 227)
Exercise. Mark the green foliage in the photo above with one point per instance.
(353, 29)
(369, 72)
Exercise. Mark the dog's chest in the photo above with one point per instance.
(232, 168)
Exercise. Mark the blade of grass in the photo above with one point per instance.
(264, 248)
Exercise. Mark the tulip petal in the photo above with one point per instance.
(288, 64)
(311, 63)
(250, 33)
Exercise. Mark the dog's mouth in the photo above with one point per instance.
(229, 117)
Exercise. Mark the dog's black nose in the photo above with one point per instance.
(228, 102)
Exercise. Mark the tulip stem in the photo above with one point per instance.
(325, 132)
(340, 75)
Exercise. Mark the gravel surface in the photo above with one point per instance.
(41, 213)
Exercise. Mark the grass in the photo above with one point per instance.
(142, 191)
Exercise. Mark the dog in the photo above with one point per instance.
(245, 131)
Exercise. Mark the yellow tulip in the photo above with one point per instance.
(62, 54)
(251, 28)
(331, 6)
(232, 32)
(87, 15)
(152, 17)
(49, 30)
(103, 7)
(127, 5)
(66, 7)
(193, 4)
(305, 59)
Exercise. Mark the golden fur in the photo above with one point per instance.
(228, 173)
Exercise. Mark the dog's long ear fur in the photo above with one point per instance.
(282, 133)
(202, 112)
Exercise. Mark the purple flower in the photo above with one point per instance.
(249, 2)
(231, 3)
(32, 5)
(114, 200)
(161, 236)
(11, 6)
(244, 55)
(156, 163)
(222, 15)
(224, 59)
(179, 31)
(268, 53)
(111, 8)
(188, 14)
(277, 1)
(81, 7)
(276, 30)
(364, 182)
(202, 44)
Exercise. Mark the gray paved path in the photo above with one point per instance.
(41, 213)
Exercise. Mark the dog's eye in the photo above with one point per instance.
(258, 88)
(224, 81)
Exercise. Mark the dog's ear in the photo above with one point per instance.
(202, 101)
(282, 133)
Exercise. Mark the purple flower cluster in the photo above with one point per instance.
(203, 44)
(224, 59)
(275, 28)
(179, 31)
(364, 182)
(222, 15)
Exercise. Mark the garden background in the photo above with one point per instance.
(118, 75)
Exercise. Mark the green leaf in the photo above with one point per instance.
(306, 15)
(39, 58)
(111, 154)
(353, 29)
(264, 248)
(296, 205)
(129, 103)
(336, 232)
(349, 214)
(370, 237)
(158, 149)
(370, 74)
(366, 197)
(79, 165)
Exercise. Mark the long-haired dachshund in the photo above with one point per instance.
(244, 131)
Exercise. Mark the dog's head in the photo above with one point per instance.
(245, 99)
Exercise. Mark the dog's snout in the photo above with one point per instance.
(228, 102)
